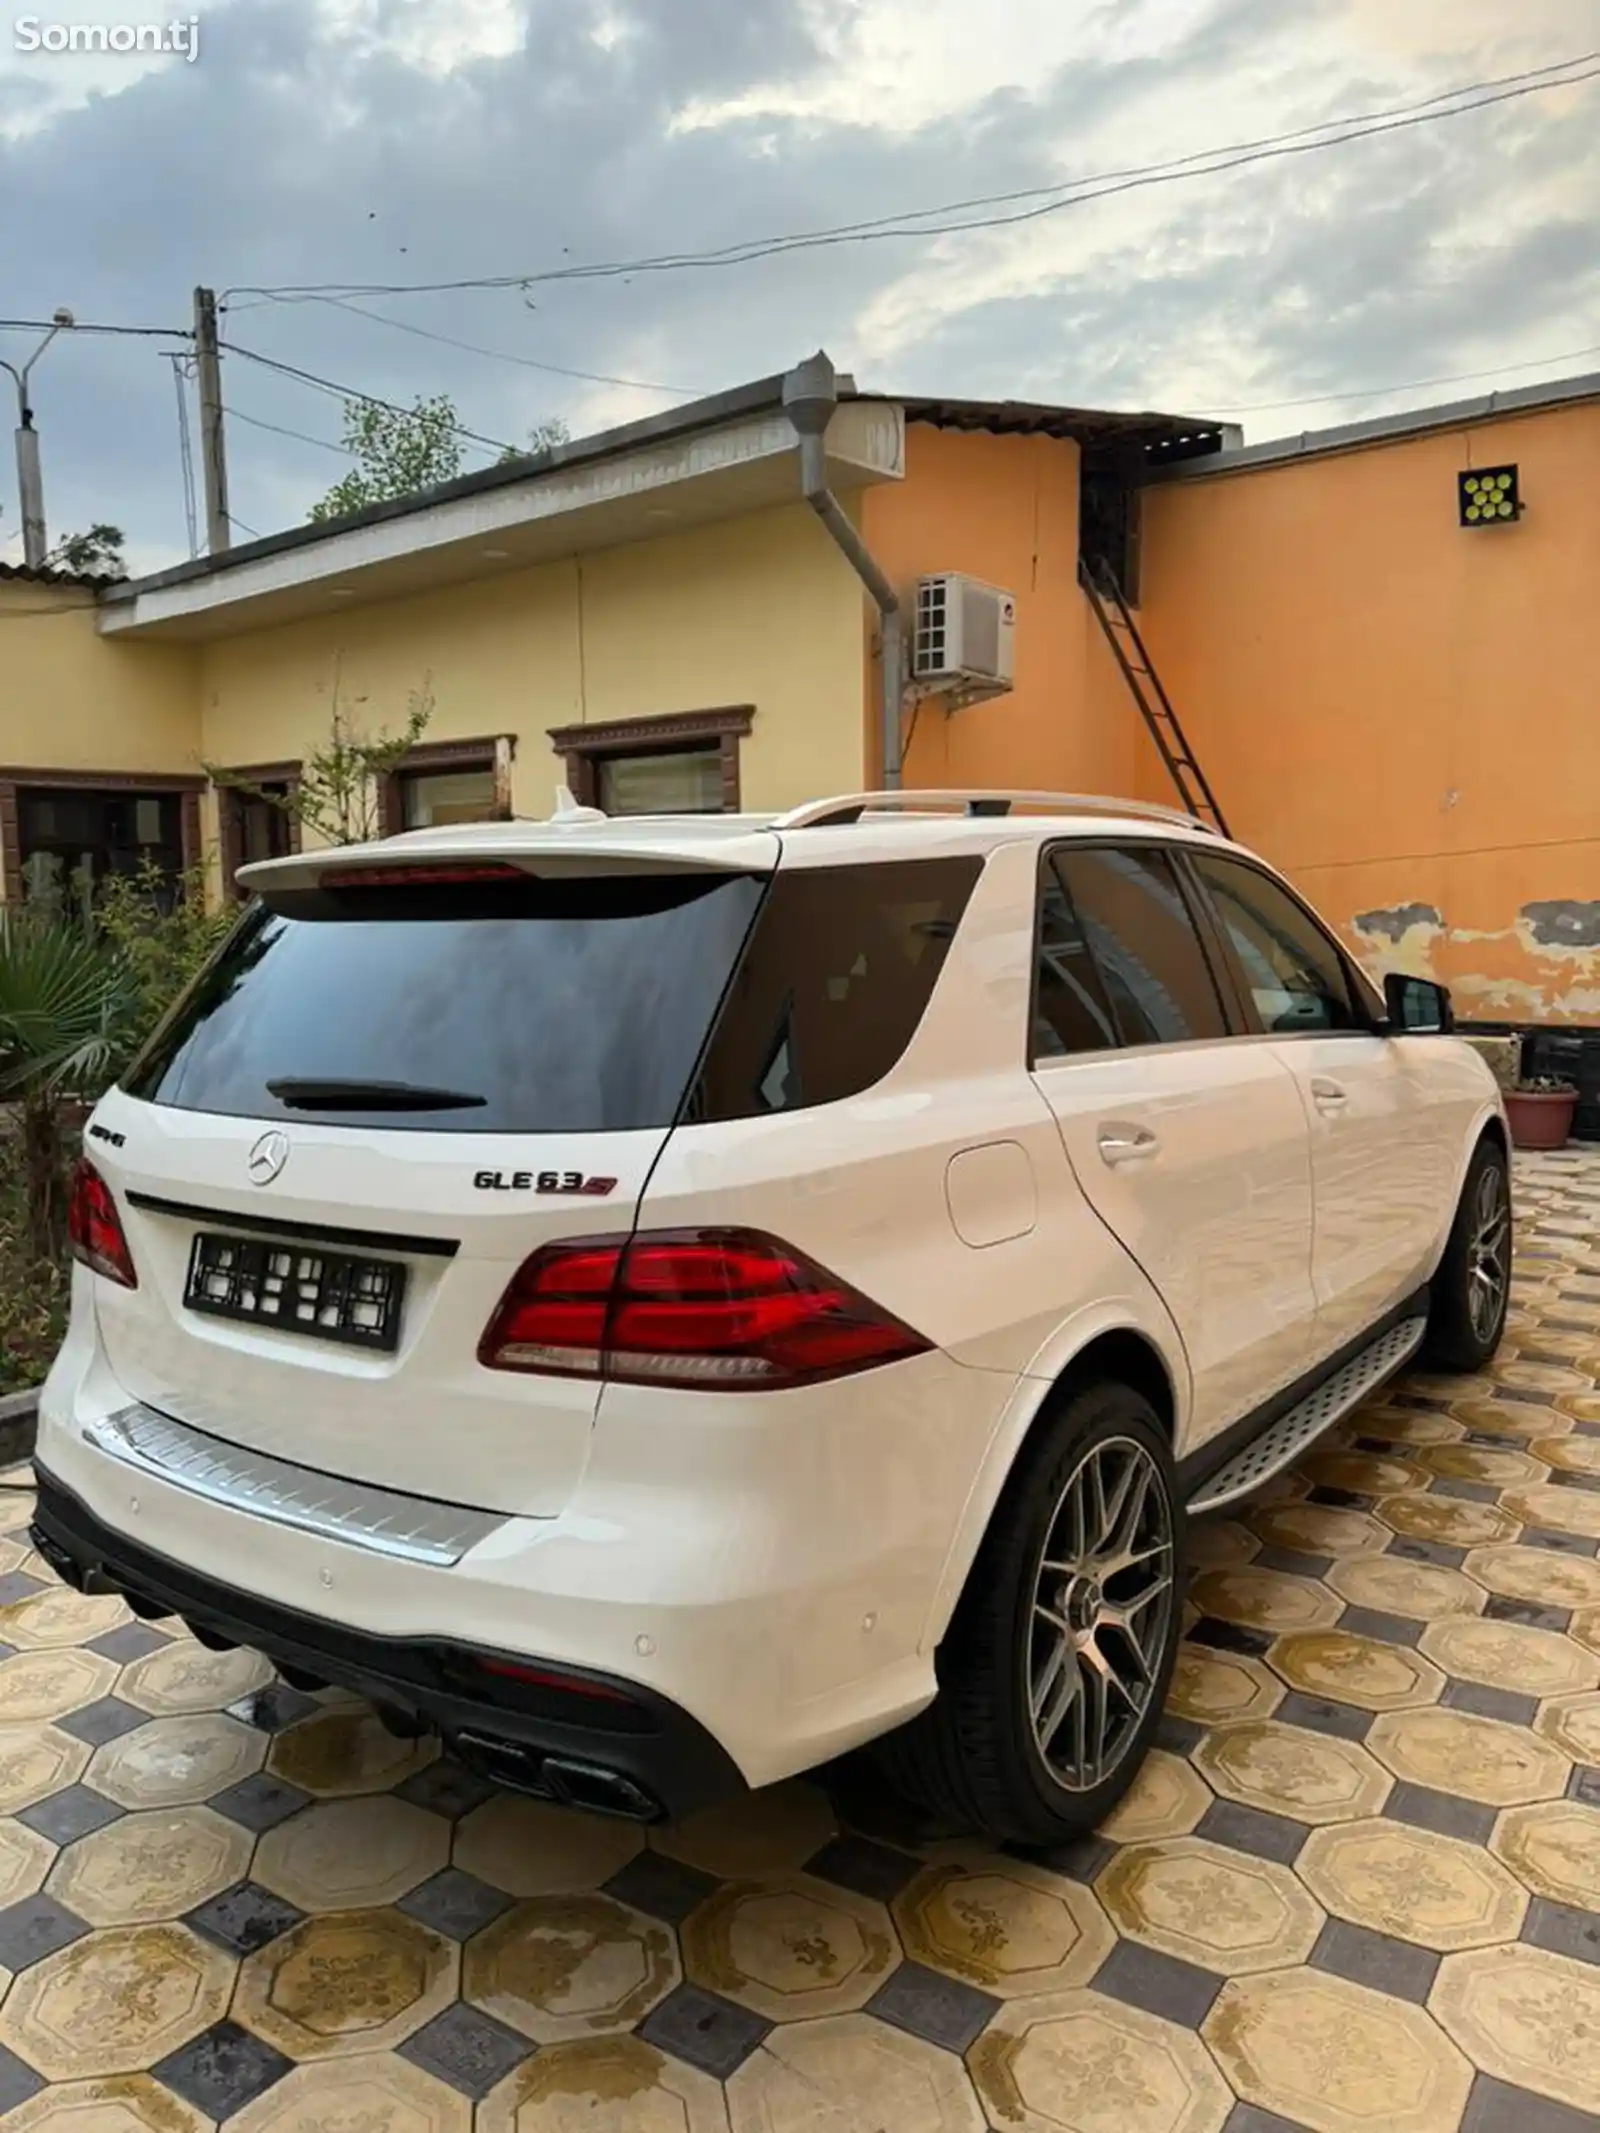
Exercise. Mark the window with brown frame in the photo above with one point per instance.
(75, 822)
(684, 763)
(253, 817)
(449, 781)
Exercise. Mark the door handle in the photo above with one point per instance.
(1126, 1144)
(1328, 1095)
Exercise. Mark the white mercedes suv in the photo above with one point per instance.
(662, 1302)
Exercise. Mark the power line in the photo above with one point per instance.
(234, 520)
(351, 392)
(43, 325)
(1052, 199)
(557, 370)
(236, 414)
(1410, 385)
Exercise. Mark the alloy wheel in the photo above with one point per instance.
(1488, 1252)
(1100, 1614)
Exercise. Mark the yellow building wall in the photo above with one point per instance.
(1005, 509)
(72, 700)
(1402, 713)
(761, 611)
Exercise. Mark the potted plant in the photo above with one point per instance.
(1539, 1111)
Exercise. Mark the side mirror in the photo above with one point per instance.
(1416, 1007)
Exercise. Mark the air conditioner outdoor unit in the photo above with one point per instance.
(964, 635)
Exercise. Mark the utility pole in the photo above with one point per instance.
(213, 452)
(30, 479)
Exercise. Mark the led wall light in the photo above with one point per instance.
(1488, 496)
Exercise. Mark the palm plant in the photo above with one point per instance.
(66, 1006)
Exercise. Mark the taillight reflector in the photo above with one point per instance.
(423, 877)
(541, 1677)
(94, 1228)
(720, 1310)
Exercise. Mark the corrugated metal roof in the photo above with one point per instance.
(1158, 437)
(25, 574)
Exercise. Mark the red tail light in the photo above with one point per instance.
(722, 1310)
(94, 1228)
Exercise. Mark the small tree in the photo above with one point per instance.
(543, 438)
(397, 452)
(95, 554)
(338, 796)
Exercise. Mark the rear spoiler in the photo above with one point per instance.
(532, 848)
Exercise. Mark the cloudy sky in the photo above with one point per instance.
(376, 143)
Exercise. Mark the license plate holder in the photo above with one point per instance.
(297, 1288)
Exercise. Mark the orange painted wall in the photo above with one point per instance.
(1004, 509)
(1403, 715)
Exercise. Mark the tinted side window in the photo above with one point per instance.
(832, 984)
(1294, 973)
(1144, 944)
(1070, 1010)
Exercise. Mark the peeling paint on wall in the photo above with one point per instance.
(1544, 967)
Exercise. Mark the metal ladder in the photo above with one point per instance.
(1116, 620)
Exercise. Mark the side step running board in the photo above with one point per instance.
(1281, 1443)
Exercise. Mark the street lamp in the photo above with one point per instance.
(30, 480)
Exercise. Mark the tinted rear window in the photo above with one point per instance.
(840, 967)
(566, 1006)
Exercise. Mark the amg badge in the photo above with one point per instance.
(565, 1181)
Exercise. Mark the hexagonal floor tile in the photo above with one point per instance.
(1526, 2017)
(1002, 1924)
(527, 1848)
(341, 1854)
(1537, 1575)
(345, 1751)
(355, 1981)
(25, 1859)
(1213, 1686)
(1319, 1529)
(1538, 1377)
(757, 1833)
(851, 2074)
(1364, 1473)
(38, 1686)
(176, 1762)
(789, 1947)
(1475, 1758)
(1508, 1418)
(36, 1761)
(1537, 1662)
(147, 1867)
(1224, 1910)
(1355, 1670)
(1289, 1770)
(1555, 1848)
(1077, 2062)
(1560, 1510)
(1221, 1544)
(57, 1618)
(1413, 1885)
(604, 2085)
(127, 2103)
(1423, 1592)
(1572, 1724)
(375, 2093)
(115, 2002)
(1451, 1519)
(1336, 2057)
(1482, 1462)
(1264, 1599)
(1166, 1799)
(570, 1966)
(183, 1677)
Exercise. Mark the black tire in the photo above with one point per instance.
(1462, 1335)
(972, 1758)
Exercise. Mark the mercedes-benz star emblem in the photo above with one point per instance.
(267, 1157)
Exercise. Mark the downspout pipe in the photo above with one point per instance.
(810, 395)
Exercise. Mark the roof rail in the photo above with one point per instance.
(846, 808)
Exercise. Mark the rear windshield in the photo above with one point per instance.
(577, 1005)
(536, 1007)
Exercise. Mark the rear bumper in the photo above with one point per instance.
(601, 1743)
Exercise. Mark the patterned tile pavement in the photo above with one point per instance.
(1355, 1890)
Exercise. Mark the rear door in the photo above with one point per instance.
(1190, 1146)
(1382, 1174)
(371, 1111)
